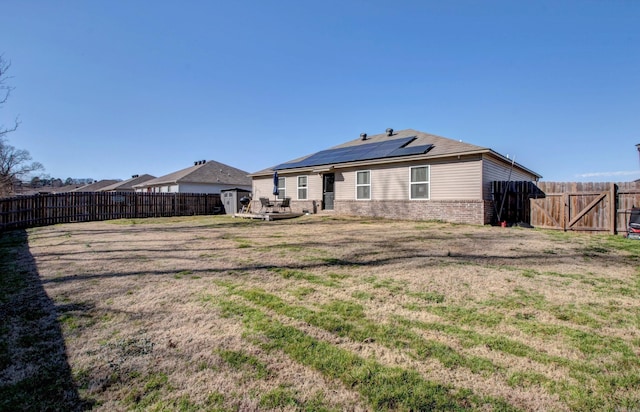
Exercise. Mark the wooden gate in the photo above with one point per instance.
(592, 207)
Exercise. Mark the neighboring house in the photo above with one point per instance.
(127, 185)
(205, 176)
(405, 175)
(95, 186)
(66, 188)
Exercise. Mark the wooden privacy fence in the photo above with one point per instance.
(592, 207)
(511, 201)
(49, 209)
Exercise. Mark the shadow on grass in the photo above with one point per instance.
(34, 371)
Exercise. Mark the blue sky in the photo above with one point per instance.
(107, 89)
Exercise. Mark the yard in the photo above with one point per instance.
(318, 313)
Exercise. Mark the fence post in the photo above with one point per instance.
(613, 208)
(565, 210)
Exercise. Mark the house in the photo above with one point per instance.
(127, 185)
(205, 176)
(404, 174)
(95, 186)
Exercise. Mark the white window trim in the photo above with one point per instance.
(363, 185)
(306, 188)
(428, 182)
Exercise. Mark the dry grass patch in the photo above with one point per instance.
(317, 314)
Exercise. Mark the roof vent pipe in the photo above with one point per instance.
(363, 136)
(389, 131)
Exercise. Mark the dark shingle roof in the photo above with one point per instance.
(209, 172)
(95, 186)
(127, 184)
(442, 147)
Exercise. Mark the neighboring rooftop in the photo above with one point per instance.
(95, 186)
(203, 171)
(127, 185)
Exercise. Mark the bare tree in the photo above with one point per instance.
(5, 92)
(14, 163)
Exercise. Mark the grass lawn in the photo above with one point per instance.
(318, 313)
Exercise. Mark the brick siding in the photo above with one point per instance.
(477, 212)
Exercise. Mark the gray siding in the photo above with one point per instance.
(390, 183)
(457, 181)
(345, 185)
(493, 170)
(262, 187)
(461, 180)
(315, 187)
(387, 183)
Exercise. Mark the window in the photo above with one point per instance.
(420, 182)
(363, 185)
(282, 192)
(302, 187)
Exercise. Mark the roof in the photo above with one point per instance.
(209, 171)
(66, 188)
(95, 186)
(400, 145)
(370, 151)
(127, 184)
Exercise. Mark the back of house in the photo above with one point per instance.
(404, 174)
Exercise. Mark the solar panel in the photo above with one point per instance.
(385, 148)
(367, 151)
(406, 151)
